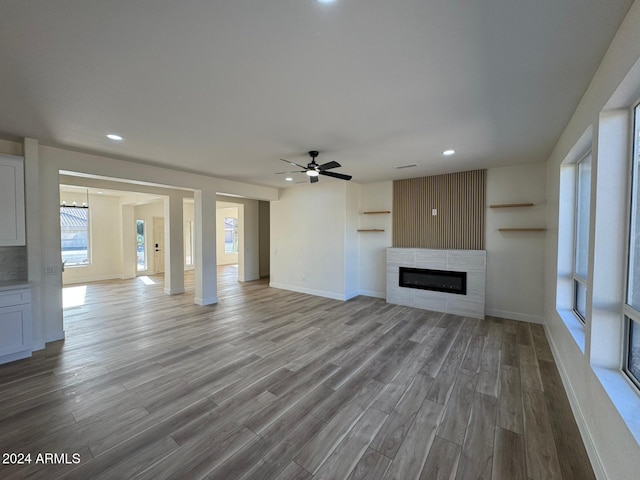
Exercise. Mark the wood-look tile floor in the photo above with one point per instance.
(276, 384)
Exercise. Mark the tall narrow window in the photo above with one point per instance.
(581, 238)
(230, 235)
(74, 230)
(632, 305)
(141, 251)
(189, 245)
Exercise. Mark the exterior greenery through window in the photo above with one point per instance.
(632, 305)
(74, 230)
(141, 253)
(230, 235)
(581, 237)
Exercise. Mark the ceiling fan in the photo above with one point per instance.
(313, 170)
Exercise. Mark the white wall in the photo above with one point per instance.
(515, 260)
(105, 224)
(264, 222)
(352, 241)
(612, 447)
(375, 197)
(221, 214)
(308, 239)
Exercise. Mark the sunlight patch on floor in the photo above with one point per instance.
(73, 296)
(146, 280)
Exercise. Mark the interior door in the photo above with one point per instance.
(158, 244)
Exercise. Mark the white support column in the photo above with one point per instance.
(173, 245)
(34, 245)
(205, 247)
(249, 248)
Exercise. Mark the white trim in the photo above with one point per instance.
(175, 291)
(97, 278)
(310, 291)
(351, 295)
(373, 293)
(37, 344)
(522, 317)
(12, 357)
(587, 438)
(54, 337)
(206, 301)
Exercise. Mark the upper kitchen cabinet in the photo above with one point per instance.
(12, 230)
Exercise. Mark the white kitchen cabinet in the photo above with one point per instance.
(15, 322)
(12, 231)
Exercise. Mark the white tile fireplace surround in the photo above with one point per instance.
(473, 262)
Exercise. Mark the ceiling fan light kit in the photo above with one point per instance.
(313, 170)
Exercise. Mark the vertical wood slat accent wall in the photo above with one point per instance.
(460, 201)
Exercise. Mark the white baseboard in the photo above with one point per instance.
(12, 357)
(373, 293)
(523, 317)
(54, 336)
(310, 291)
(37, 344)
(587, 439)
(351, 295)
(95, 278)
(174, 291)
(206, 301)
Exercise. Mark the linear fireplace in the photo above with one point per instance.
(436, 280)
(470, 262)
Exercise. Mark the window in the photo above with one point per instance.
(141, 252)
(230, 235)
(581, 236)
(189, 246)
(631, 364)
(74, 230)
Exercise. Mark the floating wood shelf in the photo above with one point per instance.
(371, 230)
(376, 213)
(524, 229)
(511, 205)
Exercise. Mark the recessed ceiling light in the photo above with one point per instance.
(113, 136)
(448, 153)
(289, 179)
(325, 1)
(100, 193)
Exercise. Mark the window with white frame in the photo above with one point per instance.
(74, 230)
(189, 245)
(631, 365)
(581, 236)
(230, 235)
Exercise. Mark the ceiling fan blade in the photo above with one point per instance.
(328, 165)
(295, 171)
(341, 176)
(313, 179)
(294, 164)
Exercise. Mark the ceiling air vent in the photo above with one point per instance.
(400, 167)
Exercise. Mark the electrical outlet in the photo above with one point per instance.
(434, 211)
(50, 270)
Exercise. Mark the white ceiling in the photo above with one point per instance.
(228, 88)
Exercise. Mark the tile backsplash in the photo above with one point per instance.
(13, 263)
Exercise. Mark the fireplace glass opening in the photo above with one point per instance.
(437, 280)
